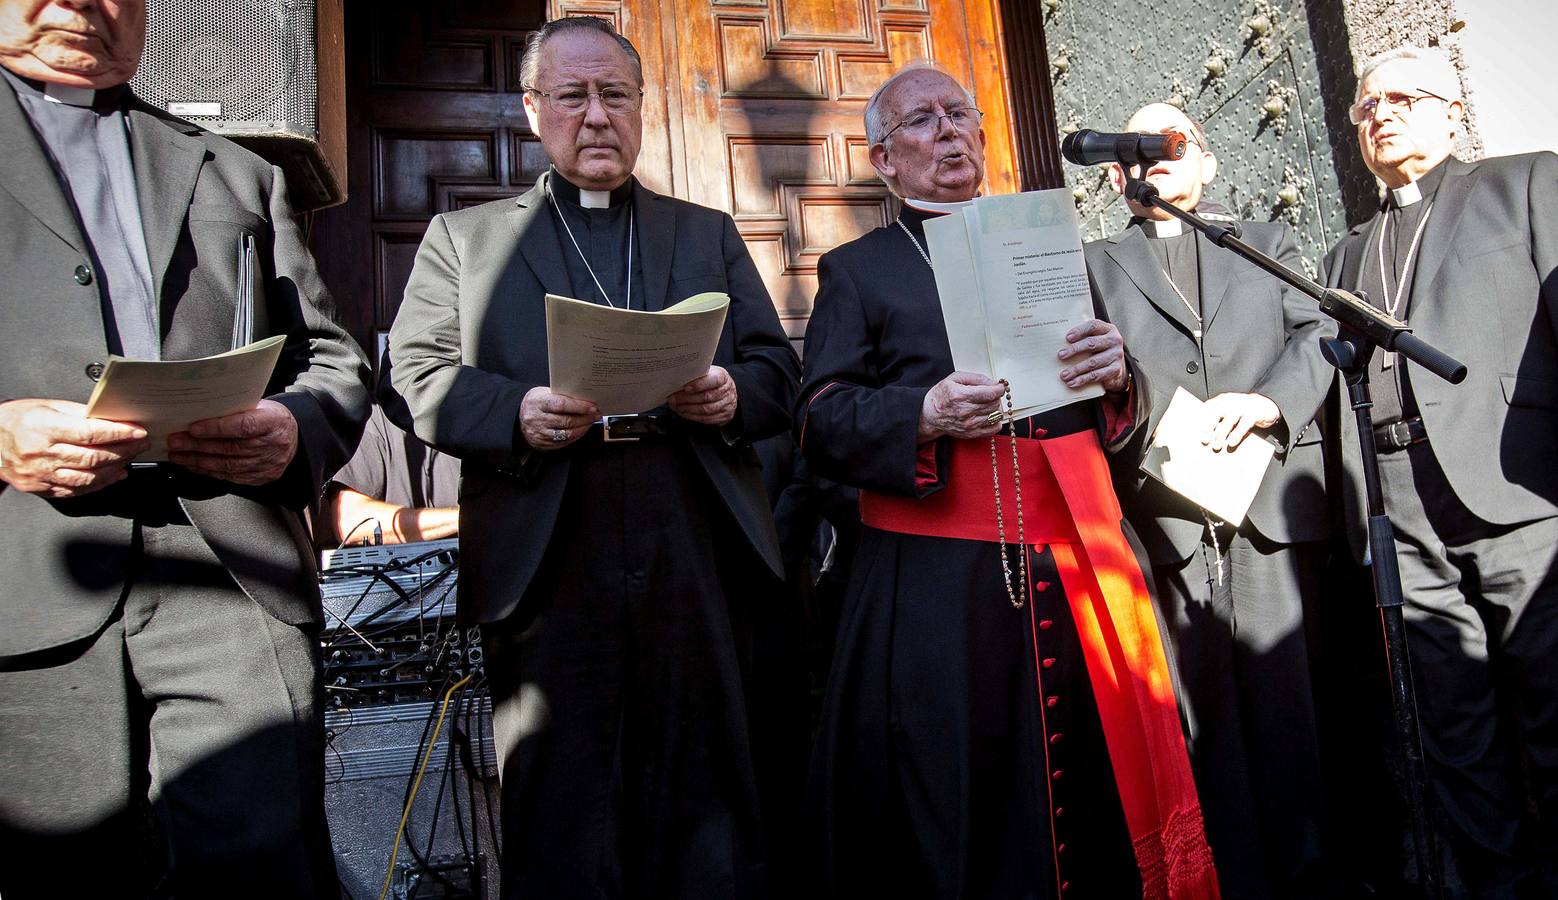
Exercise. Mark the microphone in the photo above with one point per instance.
(1089, 148)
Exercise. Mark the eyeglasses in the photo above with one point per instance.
(574, 100)
(1363, 110)
(964, 119)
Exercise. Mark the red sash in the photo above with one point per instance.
(1069, 504)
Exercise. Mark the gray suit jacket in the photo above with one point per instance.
(64, 561)
(470, 340)
(1485, 290)
(1259, 336)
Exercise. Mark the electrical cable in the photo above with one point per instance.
(349, 534)
(405, 814)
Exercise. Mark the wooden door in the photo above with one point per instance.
(434, 123)
(751, 106)
(770, 95)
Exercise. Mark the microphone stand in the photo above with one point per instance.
(1363, 329)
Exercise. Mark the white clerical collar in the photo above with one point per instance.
(1407, 194)
(932, 206)
(70, 96)
(1162, 228)
(594, 199)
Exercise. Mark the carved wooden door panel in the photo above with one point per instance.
(769, 95)
(434, 123)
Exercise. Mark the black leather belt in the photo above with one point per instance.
(614, 429)
(1393, 436)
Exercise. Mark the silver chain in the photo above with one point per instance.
(627, 303)
(1182, 299)
(1394, 303)
(916, 242)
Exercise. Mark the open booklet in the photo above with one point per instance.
(628, 361)
(165, 396)
(1222, 482)
(1012, 282)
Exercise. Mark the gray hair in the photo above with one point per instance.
(876, 127)
(1435, 64)
(531, 61)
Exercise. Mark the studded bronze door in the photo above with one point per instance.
(1269, 79)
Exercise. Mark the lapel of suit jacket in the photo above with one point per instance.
(536, 234)
(167, 165)
(1439, 234)
(28, 175)
(1353, 254)
(657, 244)
(1214, 267)
(1130, 252)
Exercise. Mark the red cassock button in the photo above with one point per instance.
(1042, 586)
(1055, 738)
(1055, 775)
(1049, 662)
(1051, 701)
(1046, 624)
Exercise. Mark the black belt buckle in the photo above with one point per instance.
(620, 429)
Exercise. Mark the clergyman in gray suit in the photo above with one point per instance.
(613, 565)
(1200, 318)
(160, 730)
(1467, 253)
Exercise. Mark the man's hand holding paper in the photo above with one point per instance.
(709, 399)
(252, 447)
(1099, 354)
(550, 421)
(1221, 478)
(1232, 416)
(962, 405)
(52, 448)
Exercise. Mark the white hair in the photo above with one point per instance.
(1435, 70)
(876, 127)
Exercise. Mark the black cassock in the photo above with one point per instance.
(941, 770)
(632, 775)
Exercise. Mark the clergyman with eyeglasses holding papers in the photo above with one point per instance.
(612, 566)
(1467, 254)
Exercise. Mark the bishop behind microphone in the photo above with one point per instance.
(1090, 148)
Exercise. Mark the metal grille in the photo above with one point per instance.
(254, 57)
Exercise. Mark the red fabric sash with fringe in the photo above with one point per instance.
(1069, 504)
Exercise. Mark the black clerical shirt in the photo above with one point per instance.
(1404, 210)
(595, 242)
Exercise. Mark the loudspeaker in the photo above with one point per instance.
(265, 73)
(373, 753)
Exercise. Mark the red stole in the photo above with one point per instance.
(1069, 504)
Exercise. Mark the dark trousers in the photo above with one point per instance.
(619, 691)
(1482, 624)
(178, 753)
(1242, 654)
